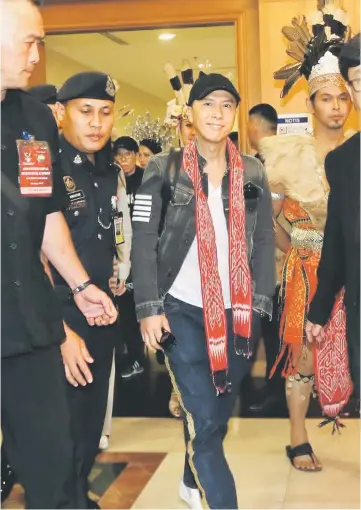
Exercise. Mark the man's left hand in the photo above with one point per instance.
(121, 288)
(96, 306)
(314, 332)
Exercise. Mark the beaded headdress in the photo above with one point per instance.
(147, 127)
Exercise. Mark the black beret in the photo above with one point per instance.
(152, 145)
(47, 94)
(125, 142)
(208, 83)
(91, 85)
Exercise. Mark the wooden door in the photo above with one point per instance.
(61, 16)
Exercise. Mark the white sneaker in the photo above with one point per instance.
(135, 369)
(190, 496)
(104, 443)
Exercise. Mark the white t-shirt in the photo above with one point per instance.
(187, 285)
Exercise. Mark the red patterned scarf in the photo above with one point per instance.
(215, 321)
(332, 374)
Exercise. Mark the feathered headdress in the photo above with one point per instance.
(146, 127)
(177, 108)
(316, 53)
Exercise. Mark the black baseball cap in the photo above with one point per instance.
(125, 142)
(208, 83)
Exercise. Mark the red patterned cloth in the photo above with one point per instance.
(332, 373)
(215, 321)
(299, 284)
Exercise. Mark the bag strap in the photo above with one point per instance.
(170, 179)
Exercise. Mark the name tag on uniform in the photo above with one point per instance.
(118, 226)
(35, 169)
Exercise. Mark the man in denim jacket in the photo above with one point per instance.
(185, 264)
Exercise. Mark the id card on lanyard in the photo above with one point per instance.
(118, 228)
(35, 168)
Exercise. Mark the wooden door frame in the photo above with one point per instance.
(81, 16)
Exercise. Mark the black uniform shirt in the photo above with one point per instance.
(31, 314)
(90, 189)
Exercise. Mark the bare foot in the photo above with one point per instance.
(307, 463)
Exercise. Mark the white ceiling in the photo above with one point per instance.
(140, 62)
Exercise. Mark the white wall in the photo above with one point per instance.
(59, 68)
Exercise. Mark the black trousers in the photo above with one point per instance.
(88, 404)
(130, 329)
(36, 428)
(271, 339)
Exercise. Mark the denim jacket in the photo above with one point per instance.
(157, 257)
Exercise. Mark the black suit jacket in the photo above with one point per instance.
(340, 260)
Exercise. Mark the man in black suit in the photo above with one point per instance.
(340, 261)
(35, 420)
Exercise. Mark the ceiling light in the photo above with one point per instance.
(166, 37)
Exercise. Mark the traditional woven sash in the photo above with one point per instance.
(240, 278)
(332, 374)
(331, 367)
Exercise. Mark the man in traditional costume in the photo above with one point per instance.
(295, 167)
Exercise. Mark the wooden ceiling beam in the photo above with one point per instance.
(83, 16)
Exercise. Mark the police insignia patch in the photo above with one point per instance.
(110, 87)
(77, 160)
(69, 183)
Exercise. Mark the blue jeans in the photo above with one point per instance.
(205, 415)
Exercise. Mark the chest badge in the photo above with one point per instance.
(69, 183)
(77, 160)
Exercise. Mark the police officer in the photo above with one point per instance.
(34, 408)
(86, 110)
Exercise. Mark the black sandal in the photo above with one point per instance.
(299, 451)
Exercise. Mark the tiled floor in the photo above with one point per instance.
(152, 451)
